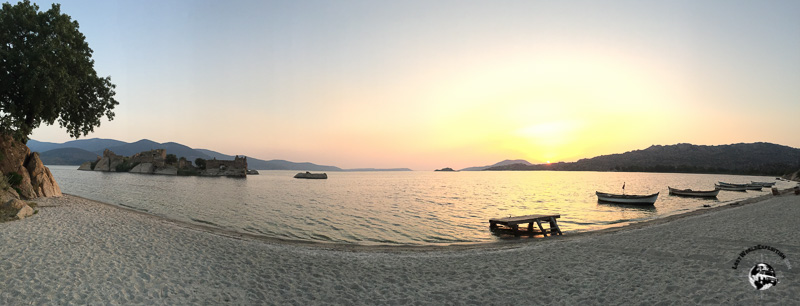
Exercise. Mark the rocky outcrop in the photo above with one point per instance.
(154, 162)
(42, 180)
(87, 166)
(145, 168)
(109, 161)
(36, 179)
(155, 157)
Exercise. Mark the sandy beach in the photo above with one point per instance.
(77, 251)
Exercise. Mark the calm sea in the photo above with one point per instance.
(394, 208)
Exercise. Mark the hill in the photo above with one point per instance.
(743, 158)
(78, 151)
(91, 145)
(179, 150)
(275, 164)
(502, 163)
(66, 156)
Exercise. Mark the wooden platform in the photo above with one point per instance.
(514, 222)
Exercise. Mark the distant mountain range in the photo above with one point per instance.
(76, 152)
(743, 158)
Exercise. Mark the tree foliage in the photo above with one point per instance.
(171, 159)
(200, 163)
(47, 73)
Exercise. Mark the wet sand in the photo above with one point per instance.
(84, 252)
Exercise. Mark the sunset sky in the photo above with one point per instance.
(432, 84)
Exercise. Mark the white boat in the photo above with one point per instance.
(694, 193)
(627, 198)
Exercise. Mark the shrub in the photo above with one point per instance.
(4, 185)
(14, 178)
(200, 163)
(126, 166)
(188, 172)
(171, 159)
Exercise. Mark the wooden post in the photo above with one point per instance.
(775, 191)
(541, 228)
(554, 226)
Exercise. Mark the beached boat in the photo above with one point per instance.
(731, 188)
(627, 198)
(694, 193)
(753, 187)
(763, 184)
(732, 184)
(309, 175)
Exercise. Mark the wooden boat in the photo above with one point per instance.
(694, 193)
(753, 187)
(763, 184)
(732, 184)
(627, 198)
(309, 175)
(731, 188)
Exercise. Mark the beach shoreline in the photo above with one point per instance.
(87, 252)
(508, 243)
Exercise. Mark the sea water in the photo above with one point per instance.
(395, 208)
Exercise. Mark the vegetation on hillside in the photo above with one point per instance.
(748, 159)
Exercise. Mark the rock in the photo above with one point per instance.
(102, 165)
(167, 170)
(25, 189)
(13, 154)
(8, 194)
(25, 211)
(113, 163)
(252, 172)
(108, 162)
(87, 166)
(41, 180)
(146, 168)
(37, 181)
(15, 204)
(22, 208)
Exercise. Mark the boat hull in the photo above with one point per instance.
(694, 193)
(313, 176)
(731, 188)
(627, 199)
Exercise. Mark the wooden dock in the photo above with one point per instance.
(514, 222)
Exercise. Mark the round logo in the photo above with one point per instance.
(762, 276)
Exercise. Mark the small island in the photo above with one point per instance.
(159, 162)
(447, 169)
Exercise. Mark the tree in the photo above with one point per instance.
(47, 74)
(201, 163)
(171, 159)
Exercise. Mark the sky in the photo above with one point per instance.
(433, 84)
